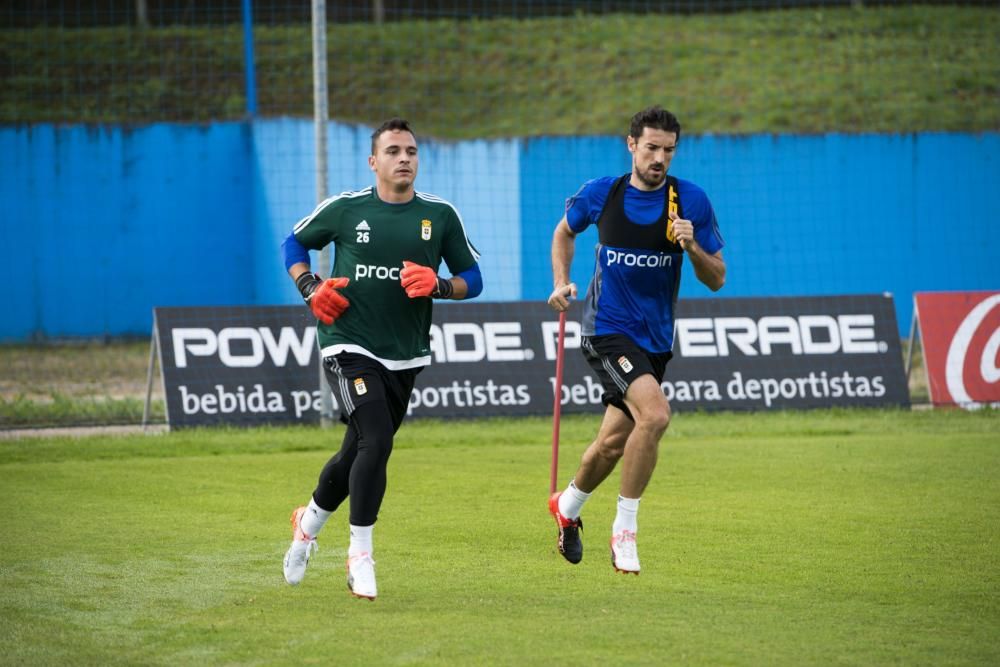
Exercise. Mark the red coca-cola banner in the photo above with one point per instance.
(961, 341)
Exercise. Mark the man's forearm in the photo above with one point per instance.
(563, 247)
(459, 288)
(296, 270)
(709, 269)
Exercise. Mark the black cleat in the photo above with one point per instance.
(569, 544)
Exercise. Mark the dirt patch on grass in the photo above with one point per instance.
(82, 431)
(76, 370)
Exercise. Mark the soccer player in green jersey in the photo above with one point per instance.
(373, 330)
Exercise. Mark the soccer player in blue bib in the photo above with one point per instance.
(647, 223)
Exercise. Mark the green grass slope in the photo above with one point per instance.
(885, 69)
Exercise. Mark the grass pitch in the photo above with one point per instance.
(840, 537)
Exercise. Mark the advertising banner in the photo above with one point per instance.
(259, 365)
(238, 365)
(961, 341)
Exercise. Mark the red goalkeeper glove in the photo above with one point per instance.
(325, 302)
(420, 281)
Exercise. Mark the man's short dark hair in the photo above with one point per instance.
(388, 126)
(657, 118)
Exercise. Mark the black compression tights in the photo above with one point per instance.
(358, 469)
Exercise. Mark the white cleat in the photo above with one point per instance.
(361, 576)
(624, 554)
(303, 546)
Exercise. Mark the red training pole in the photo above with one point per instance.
(557, 401)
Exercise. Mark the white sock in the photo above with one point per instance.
(628, 508)
(571, 501)
(361, 540)
(313, 519)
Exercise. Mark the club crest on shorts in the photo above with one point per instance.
(425, 230)
(625, 363)
(359, 387)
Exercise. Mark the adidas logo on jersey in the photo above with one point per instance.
(363, 231)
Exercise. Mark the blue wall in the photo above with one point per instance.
(802, 215)
(102, 224)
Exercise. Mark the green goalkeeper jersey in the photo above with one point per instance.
(371, 238)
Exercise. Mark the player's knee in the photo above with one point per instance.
(655, 420)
